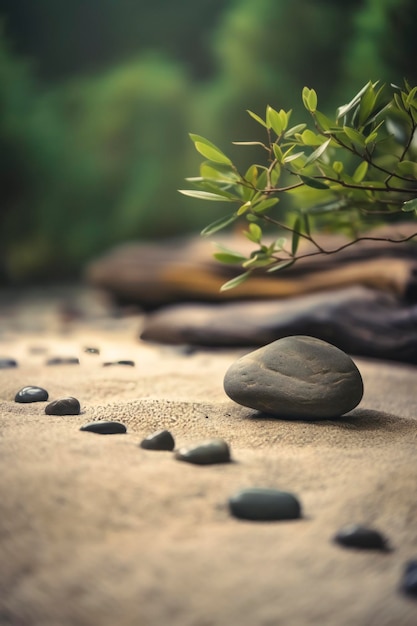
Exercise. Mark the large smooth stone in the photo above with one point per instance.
(296, 377)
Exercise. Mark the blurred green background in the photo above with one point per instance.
(97, 98)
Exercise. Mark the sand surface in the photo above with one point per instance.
(95, 531)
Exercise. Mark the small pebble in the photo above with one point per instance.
(92, 350)
(64, 406)
(261, 504)
(123, 362)
(31, 394)
(104, 428)
(58, 360)
(5, 363)
(409, 579)
(161, 440)
(205, 453)
(356, 536)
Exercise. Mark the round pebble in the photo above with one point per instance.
(296, 377)
(205, 453)
(104, 428)
(5, 363)
(122, 362)
(161, 440)
(92, 350)
(409, 579)
(58, 360)
(64, 406)
(261, 504)
(31, 394)
(356, 536)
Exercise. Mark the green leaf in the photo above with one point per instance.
(219, 224)
(347, 108)
(277, 152)
(258, 260)
(311, 139)
(360, 172)
(313, 182)
(238, 280)
(306, 221)
(231, 258)
(212, 153)
(317, 153)
(296, 235)
(407, 169)
(281, 266)
(367, 103)
(293, 157)
(323, 121)
(274, 121)
(298, 128)
(254, 233)
(252, 175)
(338, 167)
(354, 135)
(245, 207)
(204, 195)
(200, 139)
(257, 118)
(264, 205)
(309, 97)
(410, 205)
(218, 173)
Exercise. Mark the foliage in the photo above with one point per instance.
(341, 173)
(93, 138)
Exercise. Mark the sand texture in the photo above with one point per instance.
(95, 531)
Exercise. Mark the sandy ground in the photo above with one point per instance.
(95, 531)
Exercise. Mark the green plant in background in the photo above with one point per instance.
(341, 174)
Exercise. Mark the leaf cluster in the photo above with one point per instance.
(339, 172)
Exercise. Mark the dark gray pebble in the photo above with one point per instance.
(357, 536)
(58, 360)
(104, 428)
(261, 504)
(31, 394)
(123, 362)
(409, 579)
(161, 440)
(92, 350)
(205, 453)
(5, 363)
(64, 406)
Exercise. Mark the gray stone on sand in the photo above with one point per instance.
(161, 440)
(262, 504)
(357, 536)
(31, 394)
(104, 428)
(63, 406)
(205, 453)
(296, 377)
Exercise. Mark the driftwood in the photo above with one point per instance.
(358, 320)
(164, 272)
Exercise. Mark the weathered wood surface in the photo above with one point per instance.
(358, 320)
(164, 272)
